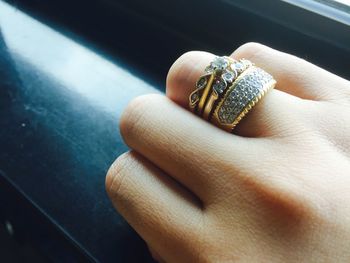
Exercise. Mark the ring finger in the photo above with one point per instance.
(271, 116)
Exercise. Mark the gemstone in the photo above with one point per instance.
(209, 69)
(236, 111)
(201, 82)
(228, 76)
(219, 86)
(194, 97)
(220, 63)
(239, 66)
(246, 62)
(245, 90)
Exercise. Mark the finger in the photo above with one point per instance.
(268, 118)
(185, 147)
(184, 73)
(295, 75)
(165, 215)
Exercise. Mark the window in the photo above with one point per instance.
(343, 2)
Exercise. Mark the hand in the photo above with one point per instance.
(277, 190)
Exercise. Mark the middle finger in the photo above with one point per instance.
(270, 117)
(196, 154)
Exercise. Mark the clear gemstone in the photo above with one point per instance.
(220, 63)
(246, 62)
(194, 97)
(228, 76)
(219, 86)
(209, 69)
(239, 66)
(201, 82)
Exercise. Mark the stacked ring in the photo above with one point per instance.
(228, 90)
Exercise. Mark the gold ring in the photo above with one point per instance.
(228, 91)
(219, 75)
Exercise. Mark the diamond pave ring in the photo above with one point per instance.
(228, 90)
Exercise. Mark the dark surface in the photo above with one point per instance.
(60, 105)
(15, 252)
(64, 82)
(149, 36)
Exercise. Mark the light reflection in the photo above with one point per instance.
(345, 2)
(75, 66)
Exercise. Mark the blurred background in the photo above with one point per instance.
(67, 70)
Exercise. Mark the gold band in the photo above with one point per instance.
(205, 94)
(219, 75)
(209, 106)
(241, 97)
(228, 90)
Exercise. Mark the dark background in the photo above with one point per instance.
(150, 35)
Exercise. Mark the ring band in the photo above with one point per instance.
(228, 91)
(241, 97)
(219, 75)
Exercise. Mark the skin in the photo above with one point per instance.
(277, 190)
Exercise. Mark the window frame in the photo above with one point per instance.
(313, 18)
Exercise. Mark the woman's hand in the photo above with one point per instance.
(278, 190)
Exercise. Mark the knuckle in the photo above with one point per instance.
(250, 50)
(285, 196)
(117, 172)
(276, 193)
(134, 118)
